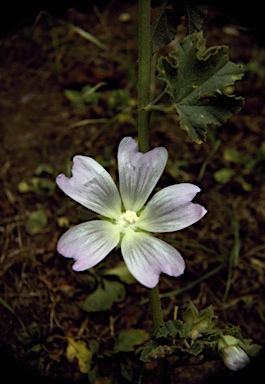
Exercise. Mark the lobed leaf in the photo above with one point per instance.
(195, 14)
(168, 18)
(197, 80)
(164, 28)
(173, 329)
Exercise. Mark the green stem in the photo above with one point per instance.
(144, 77)
(155, 305)
(144, 64)
(157, 316)
(159, 97)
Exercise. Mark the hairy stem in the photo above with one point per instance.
(157, 316)
(144, 78)
(155, 305)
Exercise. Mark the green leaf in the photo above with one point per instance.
(115, 290)
(195, 14)
(145, 350)
(244, 184)
(168, 18)
(197, 79)
(164, 28)
(223, 175)
(196, 348)
(106, 294)
(36, 221)
(94, 346)
(152, 351)
(44, 168)
(129, 339)
(38, 185)
(232, 155)
(122, 272)
(174, 329)
(97, 301)
(202, 321)
(23, 187)
(36, 348)
(30, 334)
(191, 314)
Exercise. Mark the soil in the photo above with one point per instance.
(43, 127)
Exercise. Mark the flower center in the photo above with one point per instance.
(129, 218)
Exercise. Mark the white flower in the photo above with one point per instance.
(234, 357)
(125, 219)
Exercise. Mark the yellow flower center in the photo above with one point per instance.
(129, 218)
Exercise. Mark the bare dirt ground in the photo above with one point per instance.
(45, 119)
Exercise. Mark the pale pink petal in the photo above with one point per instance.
(171, 209)
(92, 186)
(89, 243)
(138, 172)
(147, 257)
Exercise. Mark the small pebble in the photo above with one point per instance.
(125, 17)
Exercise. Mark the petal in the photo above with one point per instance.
(171, 209)
(138, 172)
(89, 243)
(92, 186)
(146, 257)
(235, 358)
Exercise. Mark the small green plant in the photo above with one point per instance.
(42, 183)
(196, 336)
(242, 169)
(29, 335)
(107, 287)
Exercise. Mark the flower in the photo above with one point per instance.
(125, 219)
(234, 357)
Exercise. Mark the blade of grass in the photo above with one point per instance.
(209, 158)
(87, 36)
(196, 245)
(7, 306)
(187, 287)
(234, 254)
(193, 284)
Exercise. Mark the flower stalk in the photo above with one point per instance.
(155, 304)
(144, 73)
(144, 76)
